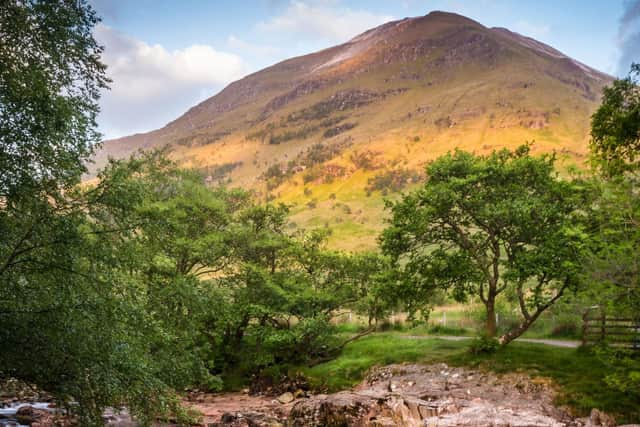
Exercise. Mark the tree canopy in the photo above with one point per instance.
(613, 266)
(615, 126)
(490, 225)
(50, 82)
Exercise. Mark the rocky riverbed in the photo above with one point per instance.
(432, 396)
(396, 395)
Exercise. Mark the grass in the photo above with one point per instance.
(578, 373)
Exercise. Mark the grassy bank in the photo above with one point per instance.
(578, 373)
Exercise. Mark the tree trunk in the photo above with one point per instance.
(514, 333)
(520, 329)
(491, 327)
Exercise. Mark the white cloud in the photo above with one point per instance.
(325, 20)
(152, 85)
(536, 31)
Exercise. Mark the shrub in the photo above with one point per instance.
(366, 159)
(446, 330)
(484, 345)
(311, 175)
(337, 130)
(385, 326)
(565, 329)
(391, 180)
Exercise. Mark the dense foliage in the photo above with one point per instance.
(613, 270)
(50, 79)
(615, 126)
(148, 281)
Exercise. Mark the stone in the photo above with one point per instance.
(246, 419)
(28, 415)
(600, 419)
(285, 398)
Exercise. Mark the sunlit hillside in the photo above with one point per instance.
(333, 132)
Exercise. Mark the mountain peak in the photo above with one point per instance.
(377, 108)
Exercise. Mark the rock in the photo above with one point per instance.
(600, 419)
(118, 418)
(340, 409)
(285, 398)
(246, 419)
(28, 415)
(435, 395)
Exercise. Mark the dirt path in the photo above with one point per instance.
(551, 342)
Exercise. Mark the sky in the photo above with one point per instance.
(165, 56)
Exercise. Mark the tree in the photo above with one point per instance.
(613, 265)
(50, 82)
(615, 126)
(491, 225)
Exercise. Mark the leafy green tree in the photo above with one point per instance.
(615, 126)
(491, 225)
(50, 82)
(613, 267)
(182, 233)
(613, 270)
(65, 325)
(74, 313)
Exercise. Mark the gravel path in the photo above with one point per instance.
(553, 343)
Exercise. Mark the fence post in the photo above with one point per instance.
(603, 326)
(585, 326)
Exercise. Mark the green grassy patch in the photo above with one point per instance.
(578, 373)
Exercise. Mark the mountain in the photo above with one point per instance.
(334, 131)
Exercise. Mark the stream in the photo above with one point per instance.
(8, 413)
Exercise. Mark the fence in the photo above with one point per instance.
(597, 327)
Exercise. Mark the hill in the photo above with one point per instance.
(333, 132)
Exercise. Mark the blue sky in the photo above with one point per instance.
(167, 55)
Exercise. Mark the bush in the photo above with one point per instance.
(385, 325)
(484, 345)
(311, 174)
(565, 329)
(331, 132)
(446, 330)
(365, 160)
(391, 180)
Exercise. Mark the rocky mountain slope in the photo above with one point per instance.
(334, 131)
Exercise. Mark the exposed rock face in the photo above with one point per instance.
(435, 395)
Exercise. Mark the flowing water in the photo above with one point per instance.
(8, 413)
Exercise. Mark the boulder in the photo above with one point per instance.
(285, 398)
(246, 419)
(34, 417)
(600, 419)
